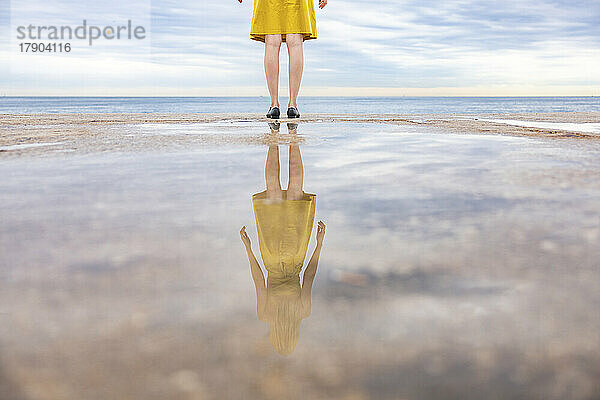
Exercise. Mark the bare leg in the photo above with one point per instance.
(296, 173)
(272, 46)
(272, 173)
(294, 43)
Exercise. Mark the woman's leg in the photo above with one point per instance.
(272, 173)
(272, 46)
(296, 171)
(294, 43)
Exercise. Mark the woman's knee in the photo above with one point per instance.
(273, 40)
(294, 39)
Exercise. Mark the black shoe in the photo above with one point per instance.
(292, 126)
(274, 126)
(293, 112)
(273, 113)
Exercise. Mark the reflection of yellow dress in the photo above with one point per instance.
(283, 16)
(284, 228)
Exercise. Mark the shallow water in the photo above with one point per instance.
(588, 127)
(453, 266)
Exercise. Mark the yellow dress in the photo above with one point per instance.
(284, 228)
(283, 16)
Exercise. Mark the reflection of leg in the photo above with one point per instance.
(296, 180)
(272, 173)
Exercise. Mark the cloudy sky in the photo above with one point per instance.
(376, 47)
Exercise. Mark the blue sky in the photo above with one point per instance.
(426, 47)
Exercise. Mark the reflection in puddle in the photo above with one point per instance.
(284, 220)
(456, 266)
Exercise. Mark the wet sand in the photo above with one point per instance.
(460, 259)
(66, 130)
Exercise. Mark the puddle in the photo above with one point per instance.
(27, 146)
(586, 127)
(460, 266)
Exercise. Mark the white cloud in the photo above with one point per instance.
(198, 46)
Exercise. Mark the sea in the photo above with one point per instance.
(315, 105)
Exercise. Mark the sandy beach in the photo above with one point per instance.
(81, 132)
(460, 259)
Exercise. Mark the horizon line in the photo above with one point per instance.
(308, 96)
(590, 90)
